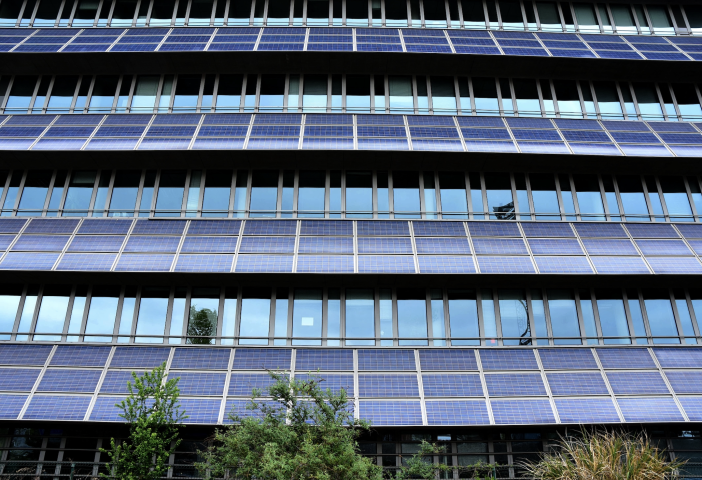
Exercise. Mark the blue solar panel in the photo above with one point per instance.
(87, 261)
(619, 265)
(688, 231)
(650, 409)
(446, 385)
(214, 227)
(445, 264)
(519, 122)
(204, 359)
(437, 145)
(267, 245)
(576, 124)
(139, 357)
(505, 264)
(438, 229)
(54, 407)
(333, 382)
(109, 226)
(264, 263)
(204, 263)
(310, 360)
(625, 358)
(486, 133)
(55, 226)
(547, 135)
(325, 245)
(80, 356)
(600, 230)
(547, 230)
(679, 358)
(460, 360)
(381, 131)
(552, 246)
(571, 359)
(209, 245)
(29, 261)
(457, 412)
(663, 247)
(105, 410)
(500, 246)
(371, 228)
(480, 121)
(672, 265)
(395, 413)
(685, 382)
(563, 265)
(270, 227)
(511, 385)
(243, 384)
(11, 225)
(459, 246)
(514, 412)
(200, 410)
(377, 385)
(11, 406)
(239, 409)
(261, 359)
(328, 227)
(508, 360)
(41, 243)
(385, 245)
(152, 244)
(115, 381)
(645, 150)
(159, 227)
(324, 264)
(201, 384)
(385, 360)
(386, 264)
(77, 381)
(18, 379)
(586, 383)
(586, 410)
(24, 354)
(493, 229)
(135, 262)
(627, 383)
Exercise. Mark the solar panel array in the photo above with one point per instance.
(388, 386)
(262, 131)
(412, 40)
(384, 246)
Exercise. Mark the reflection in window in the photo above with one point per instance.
(264, 193)
(655, 197)
(684, 316)
(568, 98)
(499, 196)
(358, 94)
(395, 13)
(539, 316)
(406, 194)
(278, 12)
(229, 316)
(307, 317)
(200, 12)
(193, 201)
(585, 15)
(333, 317)
(124, 193)
(688, 101)
(287, 200)
(36, 187)
(310, 200)
(544, 196)
(178, 315)
(281, 316)
(153, 309)
(127, 318)
(564, 317)
(102, 314)
(255, 316)
(454, 203)
(314, 95)
(101, 194)
(548, 15)
(401, 98)
(218, 185)
(80, 192)
(85, 13)
(633, 199)
(463, 317)
(610, 307)
(443, 95)
(661, 320)
(103, 95)
(587, 188)
(202, 318)
(62, 94)
(647, 98)
(272, 93)
(412, 316)
(187, 92)
(359, 194)
(76, 320)
(144, 98)
(514, 317)
(660, 20)
(360, 316)
(527, 97)
(438, 322)
(623, 19)
(229, 92)
(608, 100)
(676, 199)
(171, 189)
(52, 312)
(10, 296)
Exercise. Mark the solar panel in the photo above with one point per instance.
(461, 360)
(632, 383)
(528, 412)
(18, 379)
(243, 384)
(136, 262)
(144, 357)
(447, 385)
(96, 243)
(325, 245)
(77, 381)
(80, 356)
(386, 360)
(261, 359)
(493, 229)
(614, 265)
(679, 358)
(688, 231)
(663, 247)
(152, 244)
(457, 412)
(651, 409)
(508, 360)
(159, 227)
(333, 382)
(239, 409)
(204, 359)
(270, 227)
(685, 382)
(11, 406)
(54, 226)
(385, 245)
(625, 358)
(563, 265)
(586, 410)
(29, 261)
(56, 407)
(693, 407)
(505, 264)
(386, 264)
(11, 225)
(673, 265)
(115, 381)
(209, 245)
(41, 243)
(438, 229)
(445, 264)
(201, 384)
(555, 246)
(323, 228)
(264, 263)
(395, 413)
(567, 359)
(511, 385)
(459, 246)
(380, 228)
(609, 246)
(378, 385)
(105, 410)
(547, 230)
(586, 383)
(24, 354)
(504, 246)
(311, 360)
(204, 263)
(640, 230)
(200, 410)
(267, 245)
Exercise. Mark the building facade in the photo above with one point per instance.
(482, 218)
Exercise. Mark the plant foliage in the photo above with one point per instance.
(153, 413)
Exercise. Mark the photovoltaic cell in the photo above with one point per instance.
(653, 409)
(673, 265)
(515, 412)
(609, 246)
(692, 406)
(447, 385)
(567, 359)
(323, 228)
(270, 227)
(55, 407)
(11, 225)
(214, 227)
(679, 358)
(105, 410)
(325, 245)
(11, 406)
(663, 247)
(267, 245)
(159, 227)
(18, 379)
(547, 230)
(619, 265)
(563, 265)
(445, 264)
(386, 264)
(144, 357)
(555, 246)
(505, 264)
(512, 385)
(569, 384)
(54, 226)
(685, 382)
(504, 246)
(384, 360)
(24, 354)
(632, 383)
(640, 230)
(201, 359)
(80, 356)
(459, 246)
(115, 381)
(135, 262)
(378, 385)
(385, 245)
(380, 228)
(438, 229)
(395, 413)
(457, 412)
(334, 382)
(493, 229)
(201, 410)
(508, 360)
(625, 358)
(77, 381)
(460, 360)
(310, 360)
(243, 384)
(200, 384)
(264, 263)
(261, 359)
(586, 410)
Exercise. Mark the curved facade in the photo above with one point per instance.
(457, 211)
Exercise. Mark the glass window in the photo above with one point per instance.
(83, 91)
(161, 13)
(688, 101)
(514, 317)
(564, 317)
(694, 191)
(229, 92)
(383, 195)
(207, 93)
(438, 321)
(435, 14)
(144, 98)
(202, 318)
(401, 98)
(548, 15)
(628, 101)
(85, 13)
(588, 313)
(264, 193)
(52, 312)
(454, 203)
(608, 100)
(317, 12)
(633, 199)
(485, 93)
(661, 320)
(443, 95)
(272, 93)
(123, 13)
(649, 103)
(30, 303)
(499, 196)
(314, 94)
(153, 309)
(103, 94)
(102, 313)
(684, 315)
(200, 12)
(695, 300)
(9, 11)
(293, 93)
(527, 97)
(544, 196)
(10, 296)
(476, 195)
(125, 89)
(250, 93)
(80, 192)
(101, 195)
(379, 94)
(506, 93)
(239, 12)
(360, 316)
(127, 318)
(62, 94)
(641, 17)
(41, 93)
(187, 92)
(278, 12)
(587, 188)
(57, 193)
(229, 316)
(489, 318)
(147, 193)
(676, 199)
(21, 94)
(623, 19)
(406, 194)
(422, 95)
(386, 327)
(281, 316)
(218, 186)
(242, 179)
(611, 197)
(395, 13)
(357, 13)
(171, 188)
(610, 307)
(430, 207)
(473, 13)
(585, 15)
(124, 193)
(358, 93)
(255, 316)
(660, 20)
(636, 316)
(194, 187)
(463, 317)
(36, 187)
(76, 320)
(568, 98)
(333, 314)
(412, 316)
(511, 12)
(310, 201)
(307, 317)
(359, 194)
(178, 315)
(655, 197)
(539, 316)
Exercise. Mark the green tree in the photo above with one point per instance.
(153, 413)
(303, 433)
(604, 455)
(202, 325)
